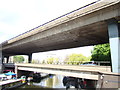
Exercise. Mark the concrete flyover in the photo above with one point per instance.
(85, 26)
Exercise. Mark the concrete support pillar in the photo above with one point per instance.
(30, 58)
(7, 59)
(0, 58)
(114, 39)
(16, 70)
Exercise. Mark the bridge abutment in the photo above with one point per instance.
(114, 39)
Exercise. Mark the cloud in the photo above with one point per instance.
(86, 51)
(8, 17)
(27, 14)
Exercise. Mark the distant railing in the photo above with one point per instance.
(100, 63)
(9, 64)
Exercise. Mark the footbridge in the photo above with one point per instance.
(80, 71)
(96, 23)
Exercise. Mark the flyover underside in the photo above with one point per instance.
(63, 40)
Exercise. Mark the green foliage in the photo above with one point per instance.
(43, 62)
(52, 60)
(18, 59)
(101, 53)
(76, 59)
(35, 61)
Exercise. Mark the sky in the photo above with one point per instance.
(19, 16)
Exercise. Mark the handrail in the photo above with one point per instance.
(100, 63)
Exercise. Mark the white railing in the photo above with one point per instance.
(100, 63)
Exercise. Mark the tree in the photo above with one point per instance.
(35, 61)
(51, 60)
(18, 59)
(101, 53)
(76, 59)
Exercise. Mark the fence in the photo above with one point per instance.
(100, 63)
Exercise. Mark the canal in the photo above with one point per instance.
(49, 82)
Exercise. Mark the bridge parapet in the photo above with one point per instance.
(100, 63)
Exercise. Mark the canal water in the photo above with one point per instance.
(49, 82)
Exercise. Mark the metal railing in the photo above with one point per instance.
(100, 63)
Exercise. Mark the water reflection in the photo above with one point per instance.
(50, 82)
(56, 81)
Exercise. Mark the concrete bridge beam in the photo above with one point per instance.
(114, 39)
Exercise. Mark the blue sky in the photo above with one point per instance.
(19, 16)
